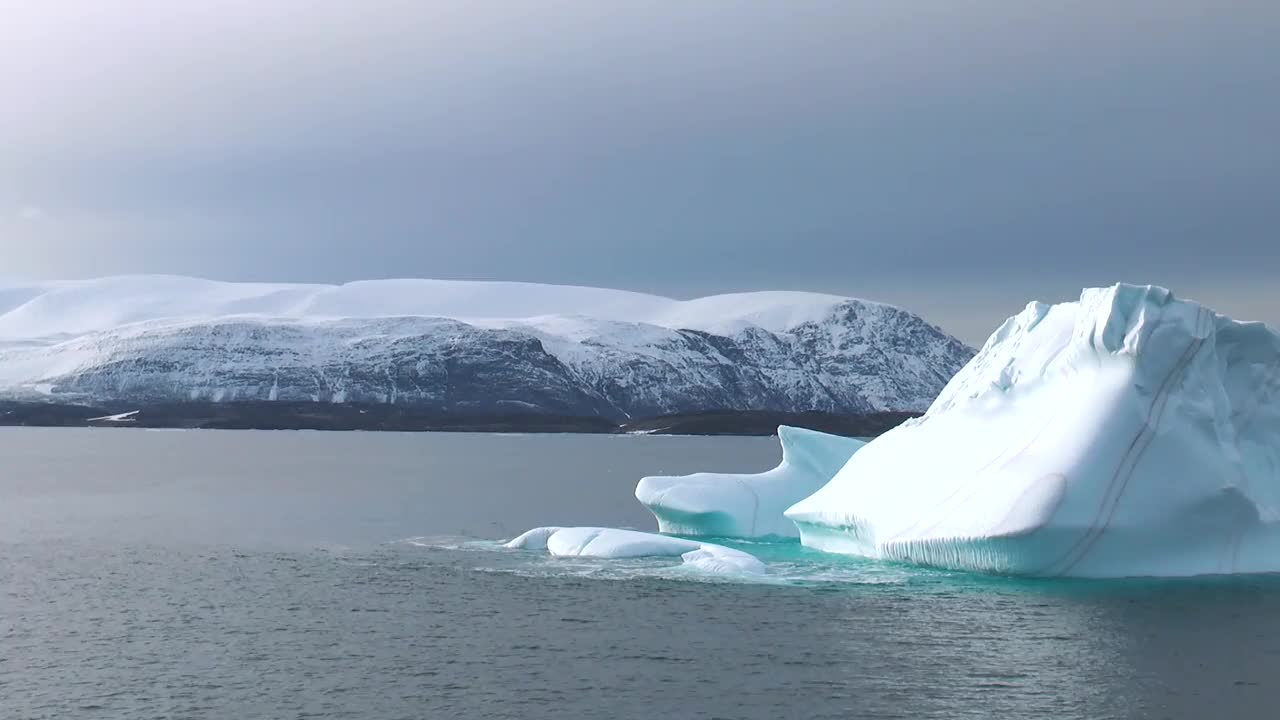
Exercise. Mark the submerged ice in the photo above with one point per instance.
(710, 505)
(1130, 433)
(1127, 434)
(747, 506)
(612, 543)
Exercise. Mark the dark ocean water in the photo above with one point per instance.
(356, 575)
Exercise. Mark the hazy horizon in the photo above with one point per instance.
(958, 161)
(975, 336)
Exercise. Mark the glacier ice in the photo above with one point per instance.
(1130, 433)
(596, 542)
(747, 506)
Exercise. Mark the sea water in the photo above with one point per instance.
(358, 575)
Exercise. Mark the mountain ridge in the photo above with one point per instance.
(172, 339)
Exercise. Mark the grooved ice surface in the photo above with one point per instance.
(1127, 434)
(612, 543)
(751, 505)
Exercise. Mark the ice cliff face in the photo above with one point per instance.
(472, 347)
(1129, 433)
(738, 505)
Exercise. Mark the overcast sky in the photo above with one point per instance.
(956, 158)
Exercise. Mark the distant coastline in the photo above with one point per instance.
(266, 415)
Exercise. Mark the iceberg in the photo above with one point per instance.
(748, 506)
(596, 542)
(1130, 433)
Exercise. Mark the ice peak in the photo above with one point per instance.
(1140, 323)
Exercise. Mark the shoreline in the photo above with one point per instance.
(348, 417)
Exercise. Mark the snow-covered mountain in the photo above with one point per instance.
(466, 346)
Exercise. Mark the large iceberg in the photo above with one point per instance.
(748, 506)
(596, 542)
(1127, 434)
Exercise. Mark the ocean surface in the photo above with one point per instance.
(152, 574)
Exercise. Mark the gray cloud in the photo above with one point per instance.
(956, 159)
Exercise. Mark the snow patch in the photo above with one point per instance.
(130, 416)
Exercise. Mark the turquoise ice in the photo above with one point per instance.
(748, 505)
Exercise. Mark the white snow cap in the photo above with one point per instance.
(66, 308)
(1130, 433)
